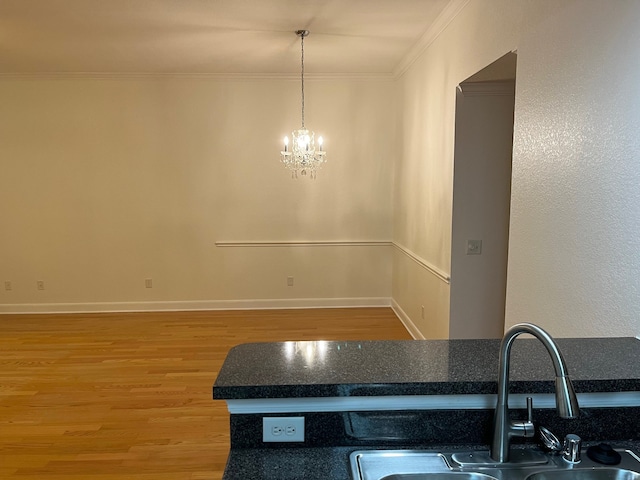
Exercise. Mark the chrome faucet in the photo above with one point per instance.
(566, 400)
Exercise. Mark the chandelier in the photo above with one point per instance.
(304, 155)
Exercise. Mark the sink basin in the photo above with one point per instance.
(587, 474)
(388, 464)
(524, 465)
(439, 476)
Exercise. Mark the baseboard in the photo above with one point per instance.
(406, 321)
(287, 303)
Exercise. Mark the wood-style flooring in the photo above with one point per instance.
(128, 395)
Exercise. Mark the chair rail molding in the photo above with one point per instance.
(445, 277)
(303, 243)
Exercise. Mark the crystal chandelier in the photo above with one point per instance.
(303, 155)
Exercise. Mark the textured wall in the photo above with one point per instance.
(574, 259)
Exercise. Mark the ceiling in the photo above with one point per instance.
(212, 36)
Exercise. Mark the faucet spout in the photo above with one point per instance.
(566, 400)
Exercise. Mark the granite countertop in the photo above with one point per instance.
(421, 367)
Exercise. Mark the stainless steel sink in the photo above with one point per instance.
(379, 464)
(587, 474)
(525, 465)
(440, 476)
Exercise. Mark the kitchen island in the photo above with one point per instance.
(411, 394)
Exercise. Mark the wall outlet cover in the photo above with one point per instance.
(283, 429)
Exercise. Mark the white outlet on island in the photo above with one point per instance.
(283, 429)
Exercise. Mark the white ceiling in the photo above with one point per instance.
(212, 36)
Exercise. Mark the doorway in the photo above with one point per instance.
(481, 200)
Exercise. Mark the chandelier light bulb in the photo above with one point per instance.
(286, 144)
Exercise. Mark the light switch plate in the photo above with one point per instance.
(474, 247)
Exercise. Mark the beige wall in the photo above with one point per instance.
(574, 251)
(108, 181)
(424, 166)
(481, 198)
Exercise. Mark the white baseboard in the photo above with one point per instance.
(285, 303)
(406, 321)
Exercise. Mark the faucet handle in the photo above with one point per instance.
(529, 409)
(525, 429)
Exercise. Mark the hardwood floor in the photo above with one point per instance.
(128, 395)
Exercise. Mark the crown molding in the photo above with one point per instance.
(451, 11)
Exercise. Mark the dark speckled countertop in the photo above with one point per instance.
(430, 367)
(420, 367)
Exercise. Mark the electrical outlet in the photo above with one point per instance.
(290, 281)
(283, 429)
(7, 286)
(148, 283)
(40, 285)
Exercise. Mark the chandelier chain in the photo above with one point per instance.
(302, 75)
